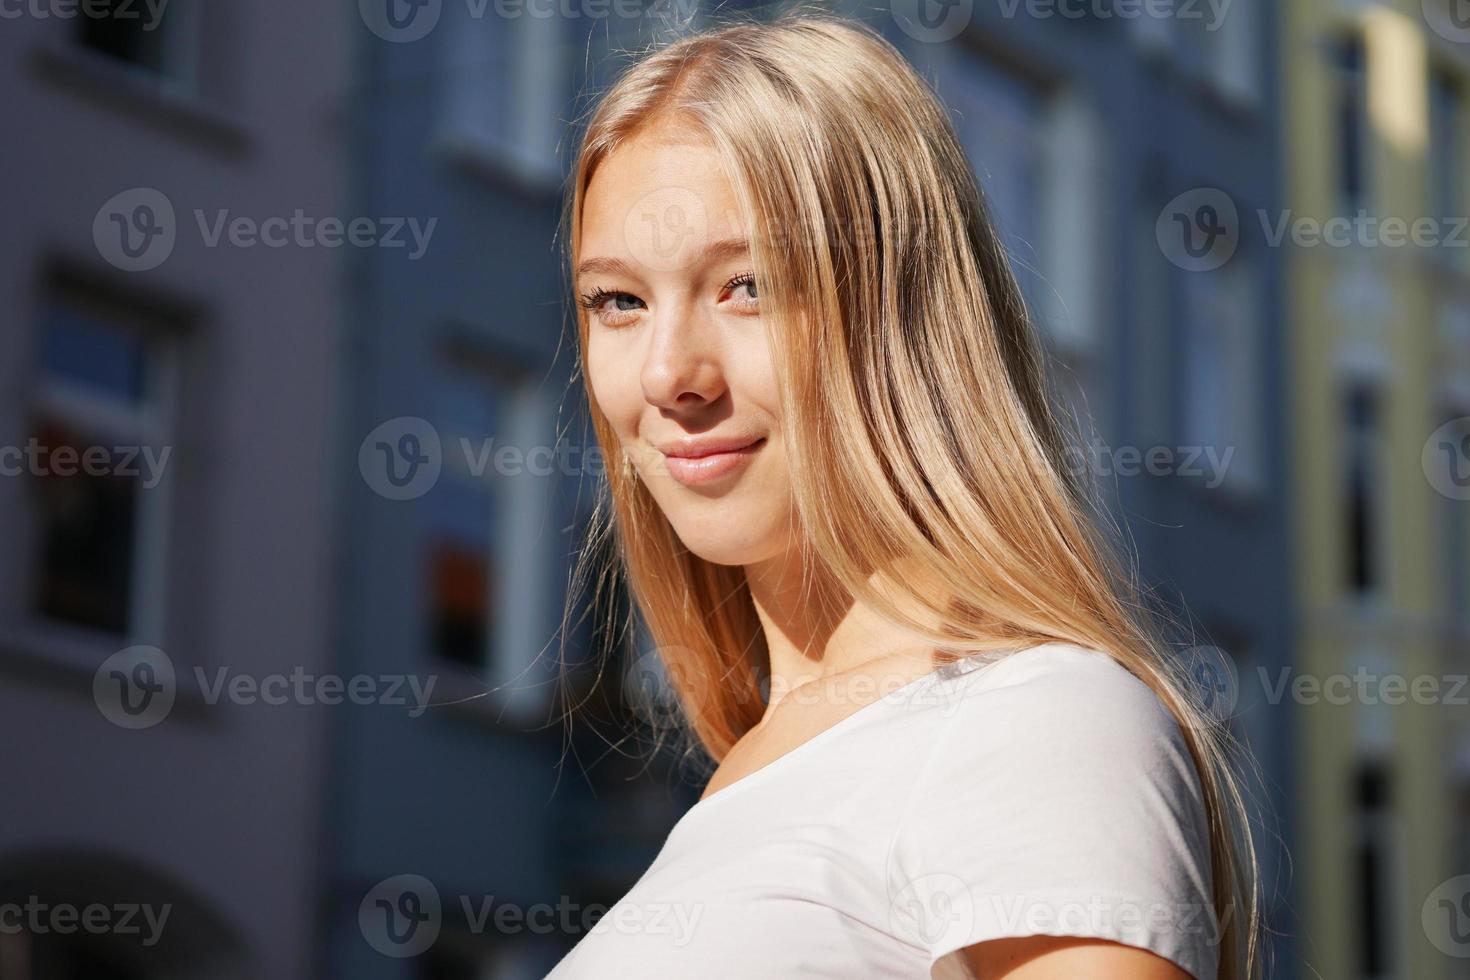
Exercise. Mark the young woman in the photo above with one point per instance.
(946, 741)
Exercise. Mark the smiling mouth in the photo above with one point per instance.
(698, 470)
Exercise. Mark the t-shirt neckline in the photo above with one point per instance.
(964, 665)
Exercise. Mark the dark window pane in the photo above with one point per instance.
(1372, 788)
(459, 593)
(1362, 515)
(469, 411)
(1462, 825)
(1446, 163)
(1371, 792)
(126, 30)
(86, 531)
(80, 349)
(1370, 944)
(1351, 129)
(446, 964)
(1455, 522)
(79, 957)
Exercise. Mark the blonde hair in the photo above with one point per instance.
(914, 401)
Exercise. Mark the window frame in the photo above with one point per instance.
(1239, 342)
(522, 513)
(154, 422)
(181, 45)
(528, 68)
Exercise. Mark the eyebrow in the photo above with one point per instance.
(727, 248)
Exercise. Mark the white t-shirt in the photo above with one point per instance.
(1046, 791)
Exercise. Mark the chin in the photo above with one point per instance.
(725, 535)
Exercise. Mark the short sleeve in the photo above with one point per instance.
(1059, 799)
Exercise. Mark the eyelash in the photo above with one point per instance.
(592, 300)
(745, 278)
(597, 297)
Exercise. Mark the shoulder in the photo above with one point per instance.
(1060, 798)
(1058, 689)
(1059, 725)
(1056, 667)
(1055, 722)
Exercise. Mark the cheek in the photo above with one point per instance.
(613, 379)
(752, 375)
(753, 385)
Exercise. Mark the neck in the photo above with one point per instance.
(815, 629)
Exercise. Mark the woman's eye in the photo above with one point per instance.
(743, 289)
(610, 302)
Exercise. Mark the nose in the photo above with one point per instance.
(681, 368)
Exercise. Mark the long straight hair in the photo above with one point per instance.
(915, 408)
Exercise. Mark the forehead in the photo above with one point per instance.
(657, 201)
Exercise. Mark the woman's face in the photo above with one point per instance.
(677, 357)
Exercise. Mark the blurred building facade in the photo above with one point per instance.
(457, 545)
(165, 404)
(335, 501)
(1377, 124)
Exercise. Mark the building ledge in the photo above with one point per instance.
(153, 100)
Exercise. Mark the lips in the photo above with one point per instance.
(698, 462)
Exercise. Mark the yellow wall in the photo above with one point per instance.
(1404, 338)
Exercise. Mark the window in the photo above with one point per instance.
(1234, 49)
(98, 456)
(1222, 368)
(488, 521)
(26, 955)
(1071, 234)
(459, 955)
(1152, 30)
(164, 42)
(1217, 45)
(461, 536)
(1454, 531)
(507, 83)
(1460, 802)
(1373, 866)
(1035, 154)
(1447, 161)
(1363, 467)
(1150, 313)
(999, 119)
(1350, 110)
